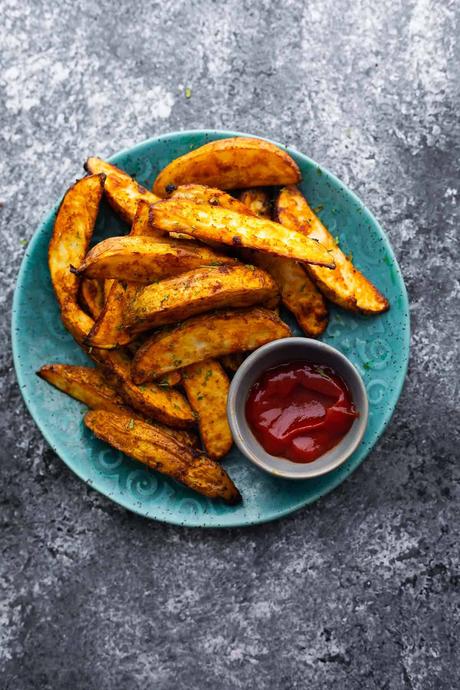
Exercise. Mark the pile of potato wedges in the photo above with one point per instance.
(169, 311)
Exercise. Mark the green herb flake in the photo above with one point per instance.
(318, 208)
(163, 384)
(90, 349)
(131, 424)
(176, 362)
(200, 396)
(319, 171)
(337, 240)
(367, 365)
(23, 242)
(208, 375)
(188, 92)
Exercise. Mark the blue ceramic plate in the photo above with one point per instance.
(378, 346)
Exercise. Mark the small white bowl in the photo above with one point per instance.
(280, 352)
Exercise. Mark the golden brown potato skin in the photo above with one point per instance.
(92, 296)
(206, 386)
(344, 285)
(163, 453)
(217, 224)
(298, 292)
(208, 336)
(72, 232)
(89, 386)
(195, 292)
(230, 164)
(143, 259)
(122, 192)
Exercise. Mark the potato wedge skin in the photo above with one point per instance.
(72, 232)
(92, 296)
(216, 224)
(345, 285)
(206, 386)
(122, 192)
(195, 292)
(299, 294)
(207, 336)
(144, 260)
(231, 163)
(89, 386)
(200, 194)
(162, 453)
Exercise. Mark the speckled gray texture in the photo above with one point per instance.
(360, 590)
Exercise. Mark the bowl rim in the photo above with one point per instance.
(234, 414)
(122, 500)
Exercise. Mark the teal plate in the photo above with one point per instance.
(378, 346)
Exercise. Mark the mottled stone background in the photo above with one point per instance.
(360, 590)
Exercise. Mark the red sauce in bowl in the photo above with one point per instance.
(300, 410)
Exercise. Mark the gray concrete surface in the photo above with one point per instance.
(360, 590)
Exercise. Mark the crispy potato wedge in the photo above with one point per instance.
(233, 361)
(258, 201)
(206, 337)
(206, 386)
(73, 229)
(144, 260)
(162, 453)
(195, 292)
(108, 331)
(215, 224)
(230, 164)
(92, 296)
(200, 194)
(122, 192)
(299, 294)
(344, 285)
(89, 386)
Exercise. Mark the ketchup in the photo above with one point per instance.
(300, 410)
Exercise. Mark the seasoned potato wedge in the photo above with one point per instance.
(212, 223)
(122, 192)
(92, 296)
(143, 259)
(108, 331)
(86, 384)
(195, 292)
(345, 285)
(258, 201)
(73, 229)
(230, 164)
(299, 294)
(162, 453)
(200, 194)
(206, 337)
(89, 386)
(206, 385)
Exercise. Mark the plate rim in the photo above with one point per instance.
(198, 521)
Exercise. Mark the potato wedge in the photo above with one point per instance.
(299, 294)
(89, 386)
(92, 296)
(162, 453)
(344, 285)
(230, 164)
(195, 292)
(206, 386)
(215, 224)
(73, 229)
(144, 260)
(108, 331)
(122, 192)
(258, 201)
(206, 337)
(200, 194)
